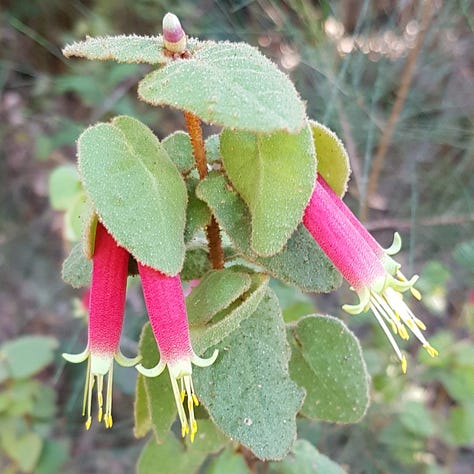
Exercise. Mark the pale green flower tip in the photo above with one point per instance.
(396, 245)
(125, 361)
(354, 308)
(76, 358)
(201, 362)
(152, 372)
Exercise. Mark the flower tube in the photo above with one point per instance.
(106, 311)
(365, 266)
(166, 308)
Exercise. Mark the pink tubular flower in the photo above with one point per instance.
(369, 269)
(106, 310)
(167, 312)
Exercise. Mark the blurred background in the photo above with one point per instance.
(393, 79)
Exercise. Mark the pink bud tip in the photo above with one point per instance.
(173, 33)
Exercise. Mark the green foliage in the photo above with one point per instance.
(28, 407)
(123, 49)
(77, 269)
(198, 214)
(301, 263)
(304, 458)
(327, 361)
(179, 149)
(247, 91)
(216, 291)
(333, 161)
(156, 395)
(134, 185)
(27, 355)
(275, 175)
(248, 391)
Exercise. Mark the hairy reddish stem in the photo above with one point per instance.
(216, 253)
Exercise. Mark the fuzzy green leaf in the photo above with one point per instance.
(327, 361)
(77, 269)
(159, 396)
(123, 49)
(304, 458)
(301, 263)
(247, 391)
(216, 291)
(229, 84)
(275, 175)
(230, 319)
(196, 263)
(137, 191)
(179, 149)
(333, 161)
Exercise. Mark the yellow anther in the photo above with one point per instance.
(184, 429)
(88, 423)
(420, 324)
(410, 324)
(195, 400)
(182, 395)
(394, 327)
(404, 364)
(108, 421)
(431, 350)
(99, 416)
(403, 332)
(416, 294)
(193, 431)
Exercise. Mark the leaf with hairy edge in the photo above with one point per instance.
(196, 263)
(216, 291)
(327, 361)
(229, 84)
(124, 49)
(179, 149)
(77, 269)
(230, 319)
(333, 161)
(158, 393)
(275, 175)
(137, 191)
(247, 391)
(301, 263)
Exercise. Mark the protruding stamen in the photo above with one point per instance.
(404, 364)
(431, 350)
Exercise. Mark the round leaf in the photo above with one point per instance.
(229, 84)
(327, 361)
(137, 191)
